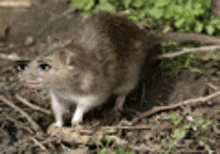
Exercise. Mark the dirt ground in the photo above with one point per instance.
(144, 125)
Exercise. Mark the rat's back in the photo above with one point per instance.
(115, 46)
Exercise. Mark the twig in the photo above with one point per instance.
(171, 55)
(18, 123)
(143, 147)
(24, 101)
(122, 142)
(39, 144)
(35, 126)
(174, 106)
(212, 86)
(15, 4)
(143, 127)
(49, 140)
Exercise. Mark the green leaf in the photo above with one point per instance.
(179, 23)
(157, 13)
(105, 5)
(177, 10)
(135, 12)
(138, 3)
(199, 27)
(187, 27)
(179, 133)
(209, 122)
(161, 3)
(103, 151)
(107, 138)
(79, 3)
(201, 121)
(210, 29)
(89, 5)
(126, 3)
(215, 21)
(217, 26)
(189, 5)
(197, 6)
(186, 126)
(134, 18)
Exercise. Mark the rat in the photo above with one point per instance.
(104, 58)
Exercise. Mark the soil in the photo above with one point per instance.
(139, 126)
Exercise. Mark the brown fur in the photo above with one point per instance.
(105, 58)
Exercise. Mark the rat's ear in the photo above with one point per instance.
(66, 57)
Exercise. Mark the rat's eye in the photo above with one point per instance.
(21, 67)
(45, 66)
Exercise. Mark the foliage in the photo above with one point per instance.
(203, 124)
(189, 15)
(104, 146)
(175, 119)
(181, 132)
(182, 129)
(169, 146)
(180, 64)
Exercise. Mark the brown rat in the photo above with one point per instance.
(104, 58)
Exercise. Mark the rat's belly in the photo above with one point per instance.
(79, 99)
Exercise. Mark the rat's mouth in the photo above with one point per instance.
(33, 84)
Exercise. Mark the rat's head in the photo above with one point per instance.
(50, 71)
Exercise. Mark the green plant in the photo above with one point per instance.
(169, 146)
(180, 64)
(189, 15)
(84, 148)
(180, 132)
(176, 120)
(204, 124)
(101, 148)
(123, 150)
(104, 146)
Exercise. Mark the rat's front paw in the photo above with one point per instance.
(54, 130)
(58, 124)
(77, 118)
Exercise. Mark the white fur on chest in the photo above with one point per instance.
(73, 98)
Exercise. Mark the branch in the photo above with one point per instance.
(35, 126)
(24, 101)
(171, 55)
(174, 106)
(15, 4)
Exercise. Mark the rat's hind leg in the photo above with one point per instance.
(122, 93)
(120, 102)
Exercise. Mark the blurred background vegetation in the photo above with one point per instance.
(184, 15)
